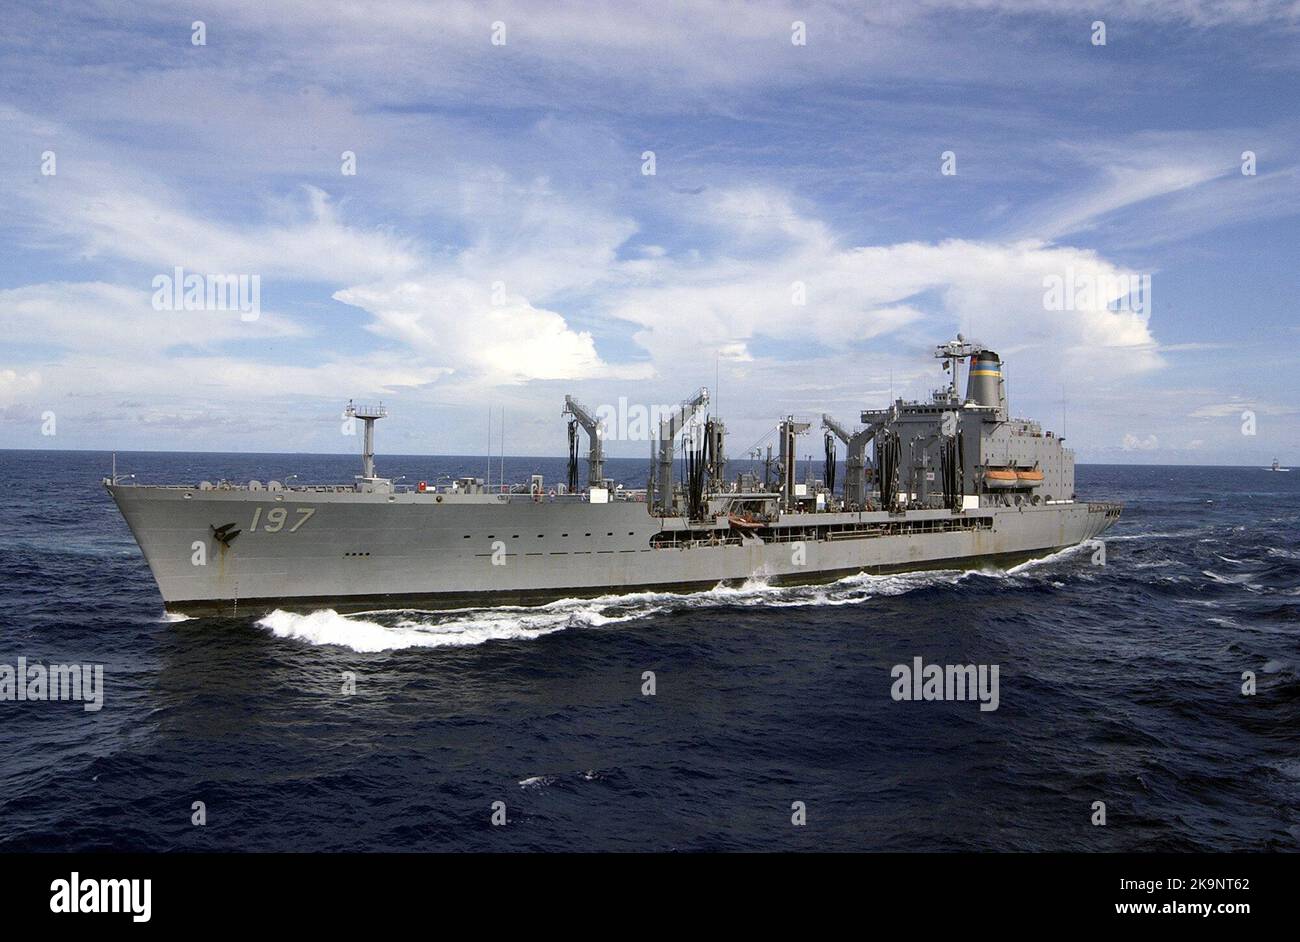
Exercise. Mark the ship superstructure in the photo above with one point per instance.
(950, 482)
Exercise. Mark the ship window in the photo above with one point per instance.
(586, 534)
(540, 535)
(564, 534)
(466, 536)
(610, 533)
(491, 536)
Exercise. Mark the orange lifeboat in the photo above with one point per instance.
(1000, 478)
(1030, 477)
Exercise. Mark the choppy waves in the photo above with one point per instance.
(1122, 682)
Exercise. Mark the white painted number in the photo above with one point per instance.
(276, 517)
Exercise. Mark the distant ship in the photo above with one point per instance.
(1275, 467)
(952, 482)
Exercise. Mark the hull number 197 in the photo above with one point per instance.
(276, 518)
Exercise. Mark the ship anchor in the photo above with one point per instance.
(224, 535)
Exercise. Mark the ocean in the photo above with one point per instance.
(1120, 683)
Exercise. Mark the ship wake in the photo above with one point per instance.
(396, 629)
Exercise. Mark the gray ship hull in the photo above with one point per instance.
(308, 548)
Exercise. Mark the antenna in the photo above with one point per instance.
(367, 414)
(1062, 410)
(503, 448)
(487, 481)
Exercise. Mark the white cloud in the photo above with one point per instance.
(101, 344)
(1133, 443)
(1235, 407)
(313, 244)
(518, 165)
(689, 306)
(18, 386)
(1184, 182)
(458, 325)
(107, 209)
(97, 317)
(665, 56)
(487, 313)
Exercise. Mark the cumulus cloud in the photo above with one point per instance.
(18, 385)
(461, 325)
(777, 255)
(771, 281)
(1132, 443)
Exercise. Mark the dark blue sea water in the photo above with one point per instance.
(1118, 683)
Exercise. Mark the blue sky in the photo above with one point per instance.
(499, 243)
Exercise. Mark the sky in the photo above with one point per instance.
(469, 209)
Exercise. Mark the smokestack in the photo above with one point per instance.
(982, 385)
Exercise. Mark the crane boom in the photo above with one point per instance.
(669, 427)
(855, 482)
(595, 430)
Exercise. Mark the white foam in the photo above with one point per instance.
(1151, 536)
(1239, 579)
(1059, 555)
(329, 627)
(395, 629)
(174, 618)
